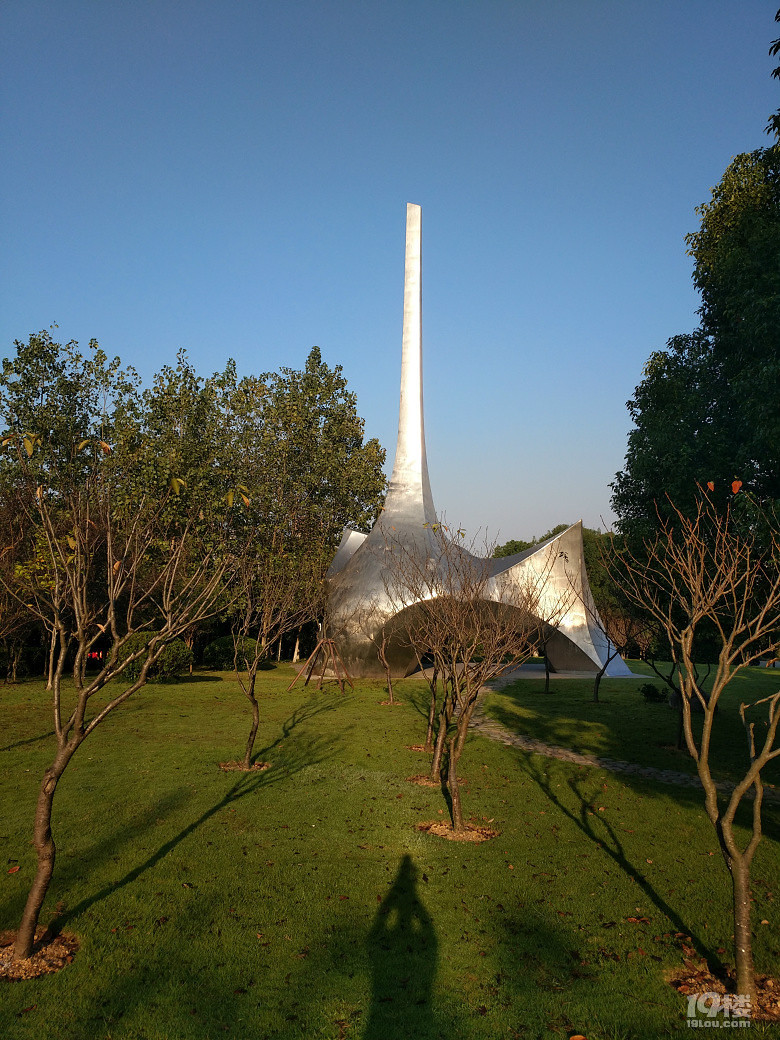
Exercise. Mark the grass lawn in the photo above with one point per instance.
(624, 726)
(302, 902)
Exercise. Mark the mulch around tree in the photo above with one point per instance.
(239, 767)
(473, 832)
(696, 977)
(418, 747)
(51, 953)
(424, 780)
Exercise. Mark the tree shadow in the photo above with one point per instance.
(196, 677)
(600, 831)
(29, 740)
(417, 694)
(290, 760)
(403, 956)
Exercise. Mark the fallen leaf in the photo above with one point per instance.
(13, 870)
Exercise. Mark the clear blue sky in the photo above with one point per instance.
(231, 178)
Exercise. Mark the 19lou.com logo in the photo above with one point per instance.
(718, 1010)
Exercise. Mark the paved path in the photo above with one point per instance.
(495, 731)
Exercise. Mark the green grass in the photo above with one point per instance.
(302, 902)
(624, 726)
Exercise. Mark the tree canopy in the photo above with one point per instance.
(706, 410)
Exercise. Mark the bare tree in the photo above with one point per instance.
(277, 593)
(702, 571)
(369, 620)
(473, 626)
(101, 573)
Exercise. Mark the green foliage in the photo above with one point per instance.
(511, 548)
(313, 471)
(652, 694)
(174, 660)
(219, 653)
(514, 545)
(706, 410)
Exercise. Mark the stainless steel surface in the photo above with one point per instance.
(363, 598)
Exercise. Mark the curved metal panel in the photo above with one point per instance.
(362, 604)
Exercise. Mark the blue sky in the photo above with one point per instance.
(232, 178)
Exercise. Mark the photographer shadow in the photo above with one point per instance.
(403, 954)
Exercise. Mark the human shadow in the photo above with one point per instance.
(597, 828)
(403, 954)
(303, 753)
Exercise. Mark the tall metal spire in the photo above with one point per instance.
(409, 494)
(360, 606)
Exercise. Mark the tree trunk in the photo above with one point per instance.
(431, 715)
(456, 750)
(452, 785)
(46, 850)
(297, 650)
(52, 657)
(444, 722)
(250, 744)
(381, 654)
(546, 672)
(16, 654)
(597, 683)
(680, 727)
(743, 941)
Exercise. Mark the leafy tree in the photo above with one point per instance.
(512, 547)
(314, 470)
(106, 548)
(306, 473)
(773, 126)
(706, 411)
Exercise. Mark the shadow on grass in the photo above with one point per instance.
(305, 752)
(196, 677)
(599, 830)
(418, 695)
(29, 740)
(271, 993)
(403, 956)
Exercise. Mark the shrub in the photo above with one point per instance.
(652, 694)
(175, 659)
(219, 654)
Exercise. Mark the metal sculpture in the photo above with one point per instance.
(365, 612)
